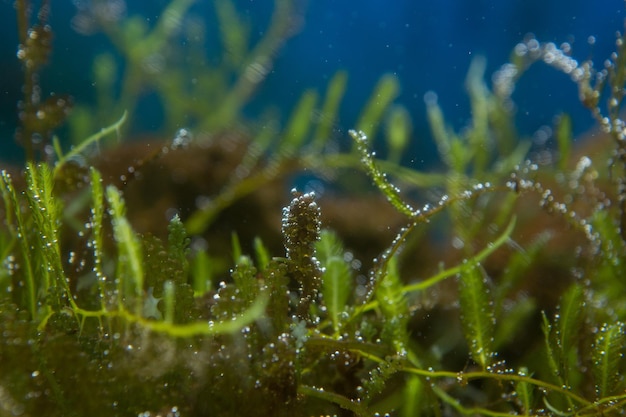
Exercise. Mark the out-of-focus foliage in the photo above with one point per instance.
(168, 60)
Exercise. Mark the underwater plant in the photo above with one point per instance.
(474, 305)
(39, 116)
(167, 62)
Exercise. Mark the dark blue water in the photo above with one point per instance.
(428, 44)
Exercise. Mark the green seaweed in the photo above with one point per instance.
(204, 91)
(608, 350)
(336, 278)
(39, 116)
(497, 318)
(477, 317)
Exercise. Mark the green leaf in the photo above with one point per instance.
(97, 243)
(398, 132)
(336, 288)
(330, 108)
(236, 247)
(384, 93)
(130, 275)
(262, 254)
(546, 328)
(608, 351)
(12, 206)
(561, 340)
(45, 209)
(478, 137)
(336, 276)
(477, 314)
(395, 309)
(202, 272)
(380, 179)
(525, 393)
(234, 33)
(298, 127)
(169, 298)
(569, 321)
(415, 399)
(8, 191)
(451, 149)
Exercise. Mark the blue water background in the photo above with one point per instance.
(428, 44)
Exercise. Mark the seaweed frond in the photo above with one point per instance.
(503, 294)
(301, 230)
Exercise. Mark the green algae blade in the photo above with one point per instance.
(329, 111)
(336, 277)
(477, 314)
(380, 179)
(384, 93)
(607, 354)
(298, 127)
(546, 328)
(45, 210)
(130, 274)
(77, 150)
(262, 254)
(525, 392)
(398, 129)
(97, 242)
(11, 207)
(394, 307)
(569, 320)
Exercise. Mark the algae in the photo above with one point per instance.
(175, 283)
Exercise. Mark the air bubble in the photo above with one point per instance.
(182, 139)
(430, 98)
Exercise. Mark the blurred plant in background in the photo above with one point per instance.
(168, 60)
(38, 115)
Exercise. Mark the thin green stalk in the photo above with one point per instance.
(77, 150)
(340, 400)
(464, 377)
(198, 328)
(22, 236)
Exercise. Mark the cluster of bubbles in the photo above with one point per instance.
(519, 182)
(530, 51)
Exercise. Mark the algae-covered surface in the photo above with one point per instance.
(257, 263)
